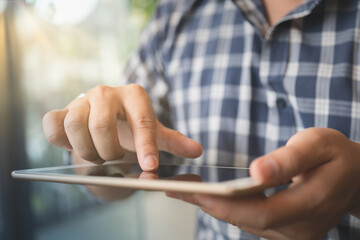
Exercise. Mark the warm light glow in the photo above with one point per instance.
(2, 6)
(65, 11)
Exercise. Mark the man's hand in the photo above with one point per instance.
(100, 125)
(324, 167)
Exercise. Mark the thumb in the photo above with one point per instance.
(174, 142)
(303, 152)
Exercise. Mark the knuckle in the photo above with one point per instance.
(144, 122)
(100, 125)
(329, 141)
(320, 137)
(148, 145)
(135, 89)
(101, 91)
(72, 124)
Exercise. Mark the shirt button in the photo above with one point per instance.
(281, 103)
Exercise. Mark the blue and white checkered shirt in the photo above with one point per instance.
(241, 88)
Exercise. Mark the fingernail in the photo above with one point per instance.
(150, 163)
(269, 168)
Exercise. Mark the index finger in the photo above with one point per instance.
(140, 116)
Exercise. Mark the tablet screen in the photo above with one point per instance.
(166, 170)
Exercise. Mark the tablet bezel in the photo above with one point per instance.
(237, 187)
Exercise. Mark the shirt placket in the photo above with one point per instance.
(273, 62)
(274, 57)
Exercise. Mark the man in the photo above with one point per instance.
(244, 78)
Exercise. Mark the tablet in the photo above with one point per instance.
(171, 176)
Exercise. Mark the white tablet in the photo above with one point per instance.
(171, 176)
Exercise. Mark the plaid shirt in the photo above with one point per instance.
(222, 76)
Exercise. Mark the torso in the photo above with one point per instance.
(242, 88)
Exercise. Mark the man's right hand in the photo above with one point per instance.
(104, 122)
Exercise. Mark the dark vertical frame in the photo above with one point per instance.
(15, 195)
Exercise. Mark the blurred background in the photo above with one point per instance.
(50, 52)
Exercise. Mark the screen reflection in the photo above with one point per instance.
(166, 171)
